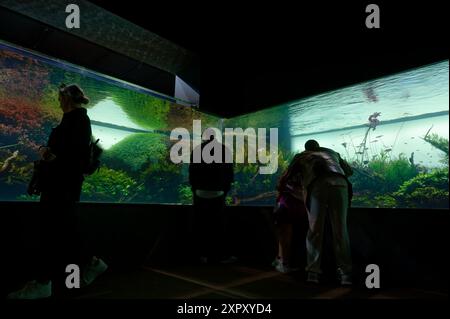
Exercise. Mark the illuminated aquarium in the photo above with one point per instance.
(393, 131)
(132, 123)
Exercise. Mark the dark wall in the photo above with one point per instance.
(37, 36)
(408, 245)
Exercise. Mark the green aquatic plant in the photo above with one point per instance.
(382, 175)
(96, 90)
(185, 194)
(162, 180)
(136, 151)
(28, 198)
(109, 185)
(251, 187)
(265, 118)
(440, 143)
(145, 110)
(49, 104)
(425, 190)
(375, 181)
(370, 200)
(385, 200)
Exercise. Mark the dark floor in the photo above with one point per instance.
(230, 282)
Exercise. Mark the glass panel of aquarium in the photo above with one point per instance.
(132, 123)
(392, 130)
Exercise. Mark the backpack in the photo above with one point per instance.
(93, 163)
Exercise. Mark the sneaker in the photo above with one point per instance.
(33, 290)
(93, 270)
(346, 280)
(313, 277)
(276, 262)
(284, 269)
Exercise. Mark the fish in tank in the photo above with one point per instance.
(384, 128)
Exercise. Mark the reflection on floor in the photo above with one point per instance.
(227, 282)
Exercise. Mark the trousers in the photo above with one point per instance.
(329, 196)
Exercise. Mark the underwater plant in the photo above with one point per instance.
(425, 190)
(145, 110)
(21, 123)
(109, 185)
(266, 118)
(185, 194)
(28, 198)
(375, 181)
(382, 175)
(440, 143)
(183, 116)
(24, 77)
(251, 187)
(162, 180)
(136, 151)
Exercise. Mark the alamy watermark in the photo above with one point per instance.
(73, 19)
(373, 19)
(258, 150)
(73, 279)
(373, 279)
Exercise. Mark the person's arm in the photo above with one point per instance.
(345, 166)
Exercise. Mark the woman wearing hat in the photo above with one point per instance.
(64, 156)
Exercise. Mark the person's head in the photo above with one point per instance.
(71, 97)
(311, 145)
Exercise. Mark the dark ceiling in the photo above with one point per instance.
(259, 56)
(37, 36)
(256, 57)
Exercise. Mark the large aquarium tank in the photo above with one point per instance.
(132, 123)
(393, 131)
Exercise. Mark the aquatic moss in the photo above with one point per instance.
(425, 190)
(95, 90)
(109, 185)
(145, 110)
(440, 143)
(251, 187)
(382, 175)
(264, 119)
(133, 152)
(162, 180)
(185, 194)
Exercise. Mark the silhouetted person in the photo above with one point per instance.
(324, 175)
(65, 157)
(210, 184)
(290, 212)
